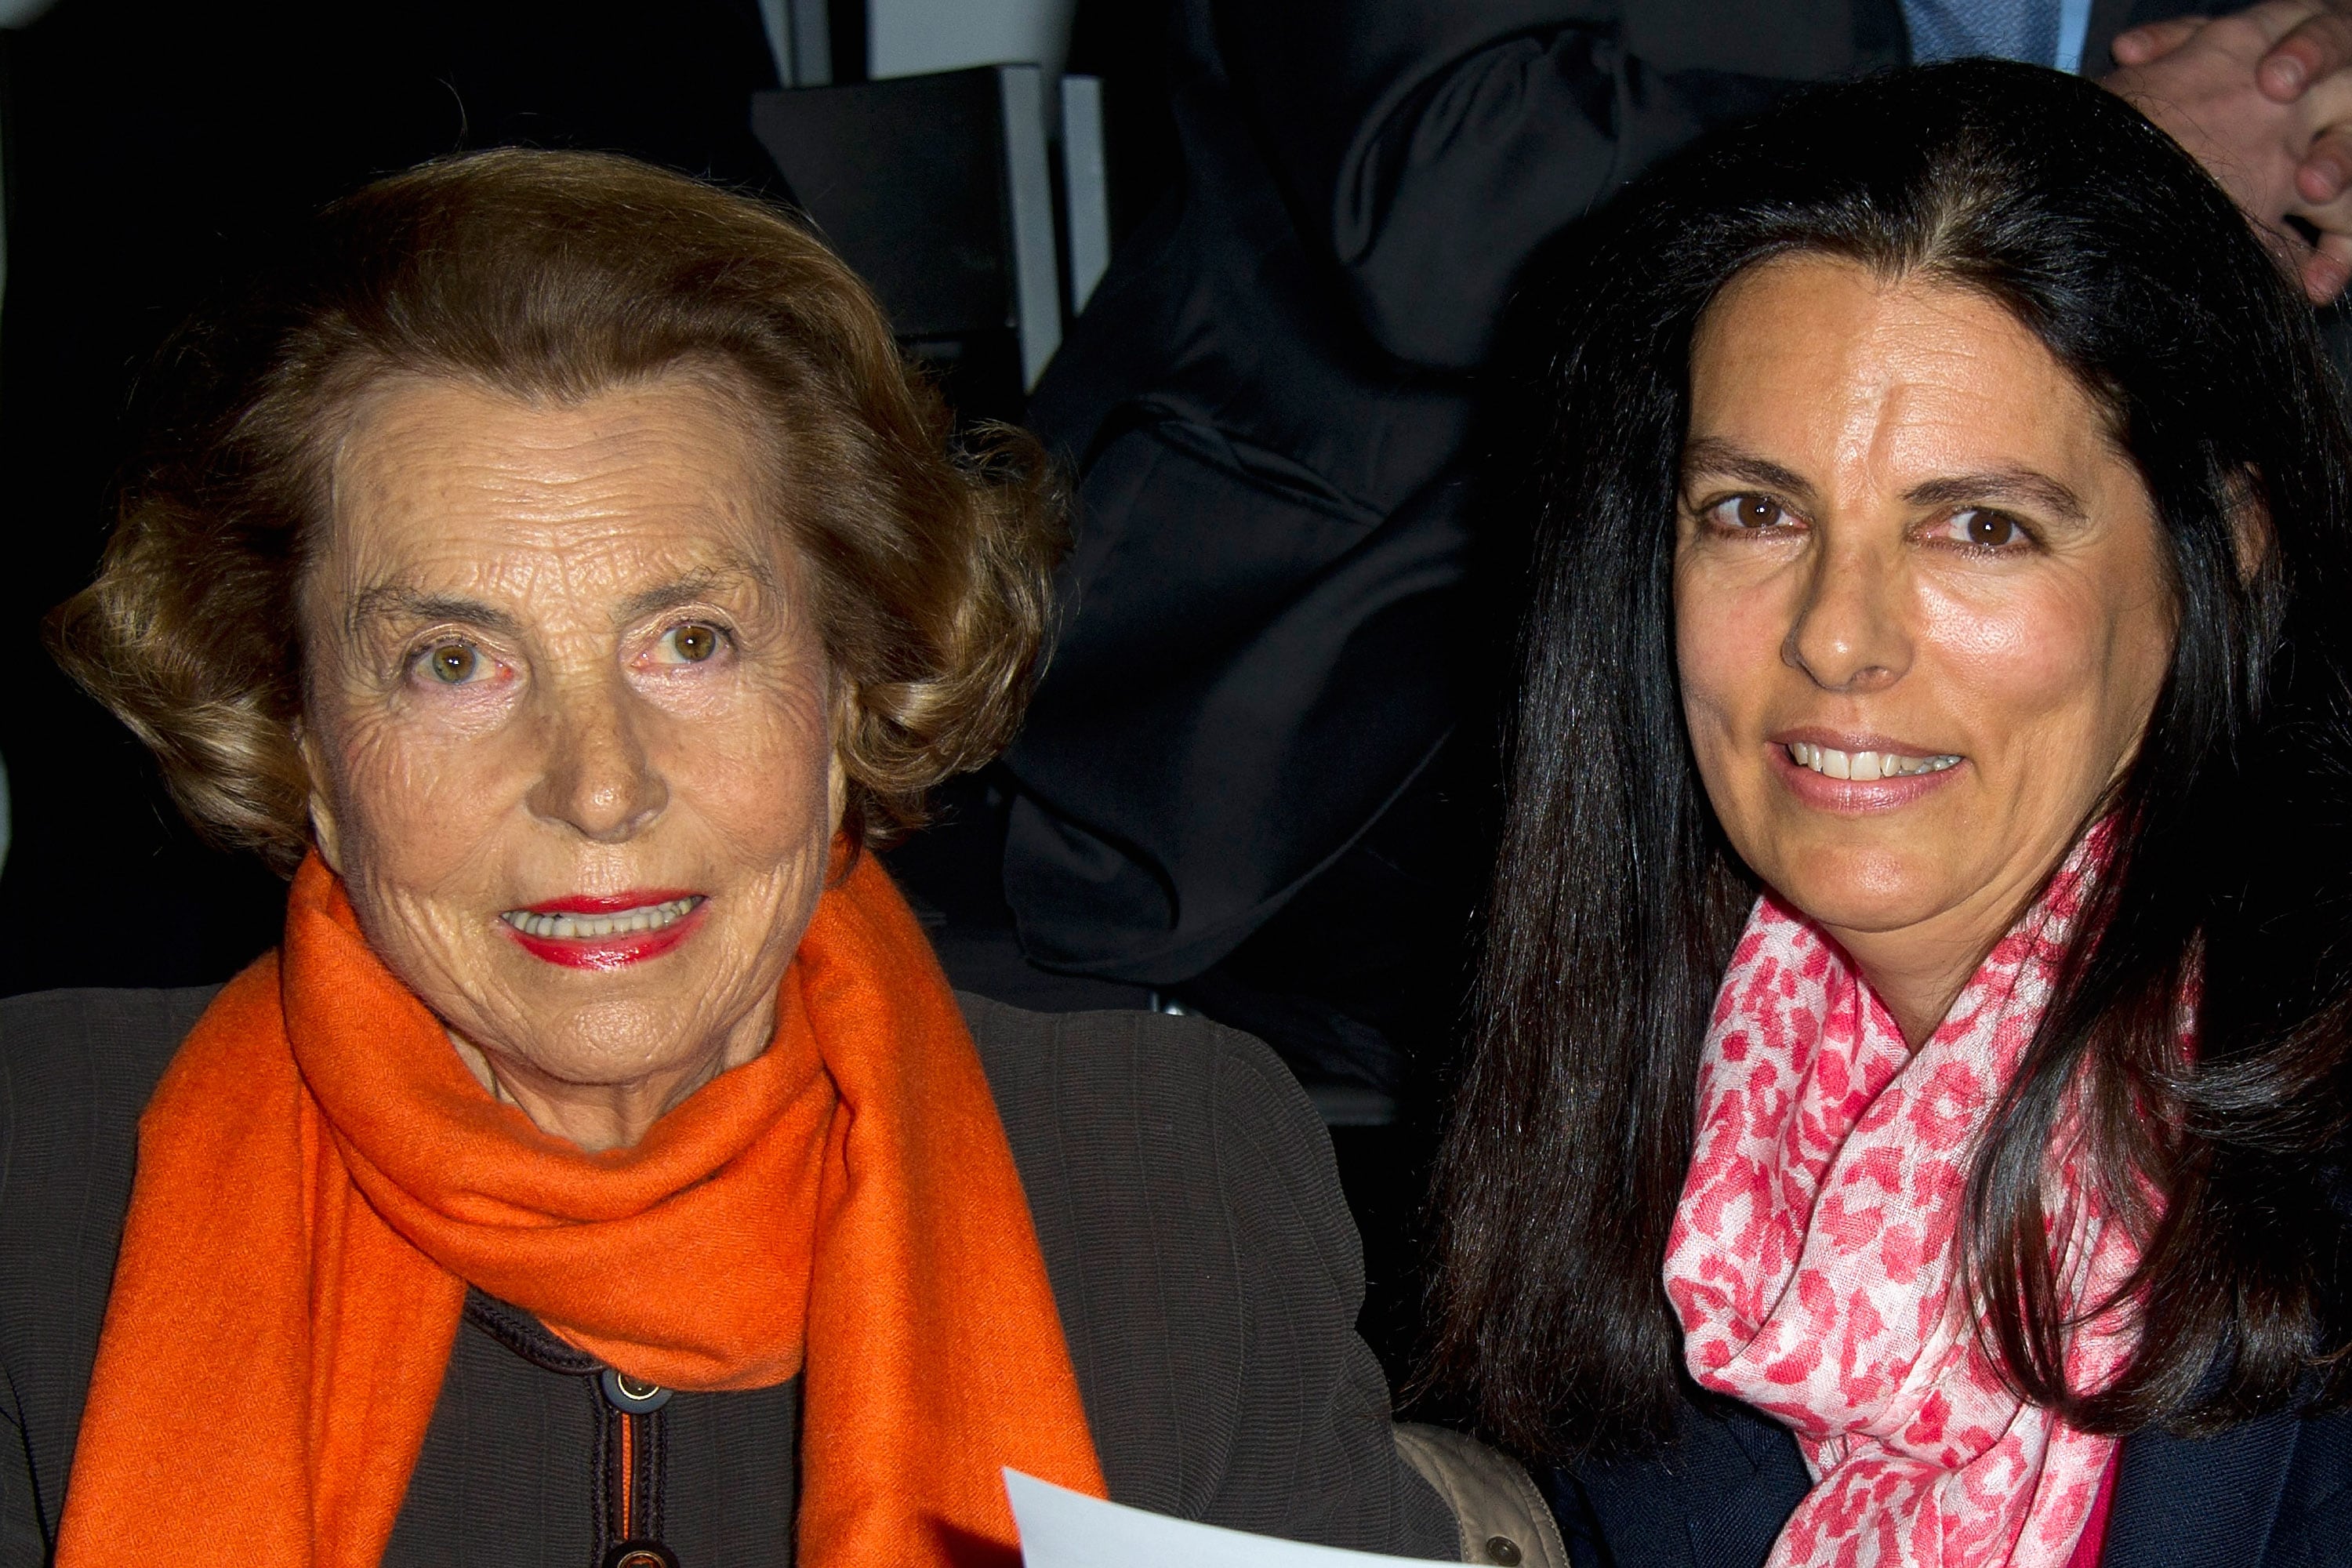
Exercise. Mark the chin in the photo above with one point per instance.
(610, 1042)
(1860, 889)
(607, 1039)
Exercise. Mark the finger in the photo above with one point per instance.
(2267, 24)
(2326, 172)
(2317, 49)
(2322, 264)
(2326, 269)
(2153, 40)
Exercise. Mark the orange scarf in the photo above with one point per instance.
(319, 1178)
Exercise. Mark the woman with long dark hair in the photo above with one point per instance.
(1911, 1040)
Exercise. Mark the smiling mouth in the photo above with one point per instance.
(585, 927)
(1866, 766)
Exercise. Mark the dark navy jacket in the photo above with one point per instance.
(2272, 1493)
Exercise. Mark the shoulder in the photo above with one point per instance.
(1126, 1123)
(1208, 1274)
(102, 1050)
(2272, 1490)
(1131, 1126)
(1178, 1091)
(76, 1068)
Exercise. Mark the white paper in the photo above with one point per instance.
(1063, 1529)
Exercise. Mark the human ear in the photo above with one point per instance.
(323, 830)
(844, 705)
(2249, 527)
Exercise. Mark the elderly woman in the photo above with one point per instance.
(555, 570)
(1907, 1119)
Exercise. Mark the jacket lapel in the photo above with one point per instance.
(2202, 1502)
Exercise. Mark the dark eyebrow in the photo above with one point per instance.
(399, 601)
(2025, 487)
(703, 585)
(1715, 456)
(2021, 485)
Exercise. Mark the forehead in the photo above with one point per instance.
(442, 485)
(1826, 359)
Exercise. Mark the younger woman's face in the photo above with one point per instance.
(1921, 608)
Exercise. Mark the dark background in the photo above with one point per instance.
(154, 149)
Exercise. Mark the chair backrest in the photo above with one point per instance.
(938, 190)
(1085, 188)
(800, 34)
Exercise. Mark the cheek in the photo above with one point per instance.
(761, 776)
(2050, 666)
(1728, 632)
(416, 804)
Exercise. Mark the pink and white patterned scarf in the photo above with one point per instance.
(1814, 1258)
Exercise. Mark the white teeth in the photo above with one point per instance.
(1865, 766)
(651, 917)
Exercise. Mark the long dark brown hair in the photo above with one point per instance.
(1616, 901)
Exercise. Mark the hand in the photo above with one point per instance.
(2212, 86)
(2315, 48)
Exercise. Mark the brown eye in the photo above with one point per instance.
(1989, 529)
(453, 663)
(1749, 514)
(691, 643)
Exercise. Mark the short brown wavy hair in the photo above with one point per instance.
(555, 276)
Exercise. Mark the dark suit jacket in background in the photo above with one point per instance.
(1185, 1201)
(1270, 399)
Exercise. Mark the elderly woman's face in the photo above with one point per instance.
(567, 717)
(1920, 607)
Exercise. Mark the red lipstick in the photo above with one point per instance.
(545, 931)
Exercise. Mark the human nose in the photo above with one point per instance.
(1849, 634)
(599, 779)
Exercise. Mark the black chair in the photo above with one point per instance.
(940, 191)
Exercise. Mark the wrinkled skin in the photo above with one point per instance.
(1901, 518)
(555, 651)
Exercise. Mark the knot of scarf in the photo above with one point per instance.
(1814, 1258)
(320, 1179)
